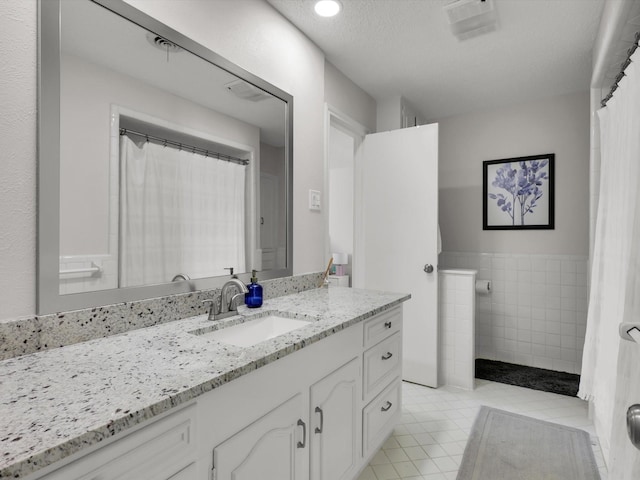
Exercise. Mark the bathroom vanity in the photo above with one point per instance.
(172, 402)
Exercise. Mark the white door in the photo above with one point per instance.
(399, 210)
(268, 220)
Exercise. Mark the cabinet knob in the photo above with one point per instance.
(387, 324)
(387, 356)
(387, 406)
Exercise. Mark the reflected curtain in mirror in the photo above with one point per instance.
(181, 212)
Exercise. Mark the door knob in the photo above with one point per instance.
(428, 268)
(633, 425)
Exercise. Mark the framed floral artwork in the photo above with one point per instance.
(518, 193)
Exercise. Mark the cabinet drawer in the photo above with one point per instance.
(381, 326)
(381, 364)
(156, 451)
(380, 417)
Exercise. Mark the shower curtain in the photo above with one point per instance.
(180, 212)
(615, 277)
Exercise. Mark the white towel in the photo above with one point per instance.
(439, 241)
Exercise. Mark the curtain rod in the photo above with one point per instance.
(181, 146)
(623, 67)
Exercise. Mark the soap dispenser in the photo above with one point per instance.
(253, 299)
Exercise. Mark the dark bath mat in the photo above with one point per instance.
(529, 377)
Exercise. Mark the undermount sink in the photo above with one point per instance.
(254, 331)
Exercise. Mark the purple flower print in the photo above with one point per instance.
(522, 186)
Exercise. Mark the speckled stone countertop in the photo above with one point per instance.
(56, 402)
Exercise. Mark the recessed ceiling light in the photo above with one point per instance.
(327, 8)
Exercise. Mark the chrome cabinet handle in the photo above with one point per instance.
(387, 356)
(386, 407)
(387, 324)
(428, 268)
(303, 443)
(319, 429)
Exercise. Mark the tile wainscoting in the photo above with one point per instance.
(536, 313)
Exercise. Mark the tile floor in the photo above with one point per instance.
(429, 441)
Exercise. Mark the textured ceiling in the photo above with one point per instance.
(541, 48)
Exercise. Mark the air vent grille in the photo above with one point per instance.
(247, 91)
(469, 18)
(162, 43)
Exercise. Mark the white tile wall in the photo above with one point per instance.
(456, 311)
(536, 314)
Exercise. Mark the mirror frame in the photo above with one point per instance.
(48, 297)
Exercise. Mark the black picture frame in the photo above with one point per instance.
(519, 193)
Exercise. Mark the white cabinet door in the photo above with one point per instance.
(274, 447)
(165, 449)
(188, 473)
(336, 424)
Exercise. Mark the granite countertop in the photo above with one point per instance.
(57, 402)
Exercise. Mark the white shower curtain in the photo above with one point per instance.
(180, 212)
(615, 275)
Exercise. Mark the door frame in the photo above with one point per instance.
(333, 117)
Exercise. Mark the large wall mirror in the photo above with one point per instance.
(161, 164)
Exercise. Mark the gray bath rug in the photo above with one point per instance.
(507, 446)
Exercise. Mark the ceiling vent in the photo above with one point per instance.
(470, 18)
(162, 43)
(247, 91)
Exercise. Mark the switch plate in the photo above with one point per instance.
(314, 200)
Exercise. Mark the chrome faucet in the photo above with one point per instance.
(222, 307)
(231, 305)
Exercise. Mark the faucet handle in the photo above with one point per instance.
(214, 308)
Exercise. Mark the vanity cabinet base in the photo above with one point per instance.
(317, 414)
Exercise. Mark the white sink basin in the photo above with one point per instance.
(255, 331)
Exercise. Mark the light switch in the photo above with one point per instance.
(314, 200)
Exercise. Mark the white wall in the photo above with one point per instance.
(341, 184)
(18, 50)
(557, 125)
(389, 113)
(346, 97)
(536, 314)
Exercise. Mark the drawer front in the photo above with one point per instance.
(381, 364)
(380, 417)
(156, 451)
(381, 326)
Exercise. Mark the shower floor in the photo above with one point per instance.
(529, 377)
